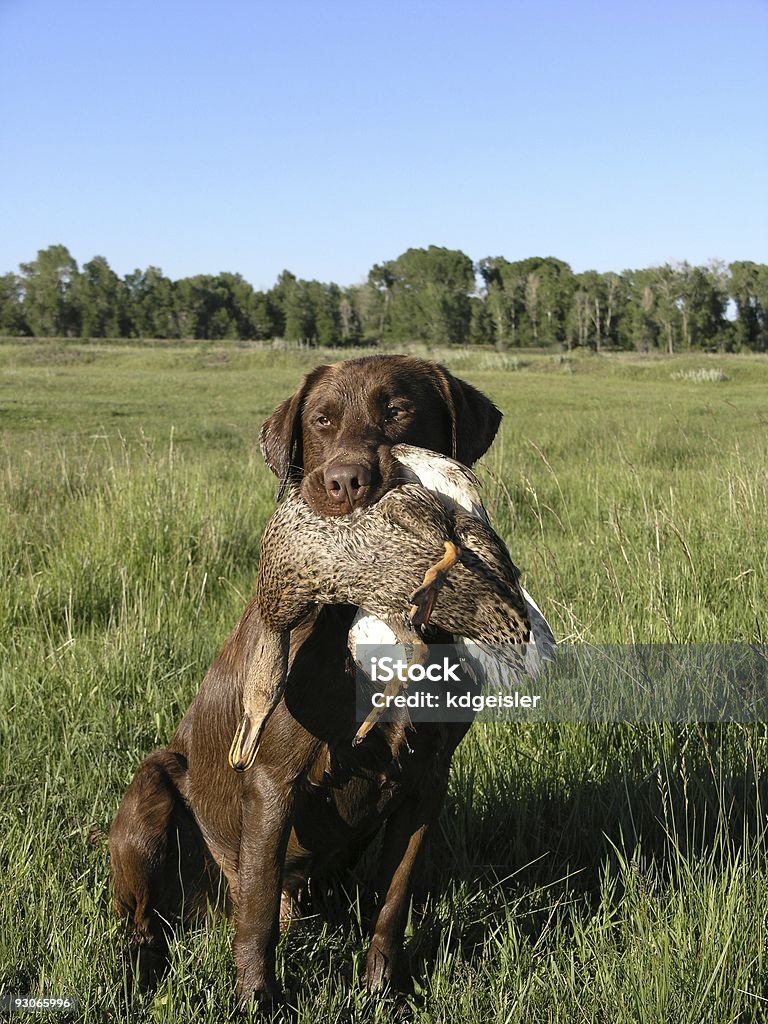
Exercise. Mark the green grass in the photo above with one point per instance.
(581, 872)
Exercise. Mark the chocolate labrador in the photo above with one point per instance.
(189, 830)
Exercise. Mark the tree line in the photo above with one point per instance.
(435, 295)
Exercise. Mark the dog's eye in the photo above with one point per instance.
(323, 421)
(392, 412)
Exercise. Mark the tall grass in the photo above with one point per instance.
(581, 872)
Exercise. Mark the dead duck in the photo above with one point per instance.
(457, 487)
(424, 554)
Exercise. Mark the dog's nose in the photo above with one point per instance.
(345, 483)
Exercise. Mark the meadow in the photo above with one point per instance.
(596, 873)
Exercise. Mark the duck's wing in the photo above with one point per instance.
(485, 555)
(454, 483)
(499, 666)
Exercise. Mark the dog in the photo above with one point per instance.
(189, 830)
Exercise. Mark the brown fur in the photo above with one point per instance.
(309, 801)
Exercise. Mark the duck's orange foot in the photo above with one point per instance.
(422, 600)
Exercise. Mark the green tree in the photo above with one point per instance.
(482, 329)
(325, 300)
(665, 288)
(640, 329)
(263, 316)
(579, 319)
(212, 306)
(748, 288)
(702, 299)
(12, 320)
(548, 288)
(298, 309)
(596, 309)
(529, 299)
(47, 283)
(505, 296)
(233, 296)
(350, 316)
(426, 295)
(381, 283)
(99, 297)
(151, 304)
(367, 302)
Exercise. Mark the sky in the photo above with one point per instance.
(323, 137)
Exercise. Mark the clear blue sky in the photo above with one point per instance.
(326, 135)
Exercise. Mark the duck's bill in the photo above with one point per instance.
(245, 745)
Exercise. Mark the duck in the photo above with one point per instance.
(423, 559)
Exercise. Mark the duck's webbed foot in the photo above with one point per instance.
(422, 600)
(394, 688)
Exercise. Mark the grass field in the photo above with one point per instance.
(581, 872)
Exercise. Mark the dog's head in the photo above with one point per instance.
(336, 432)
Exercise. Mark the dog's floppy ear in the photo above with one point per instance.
(474, 418)
(280, 436)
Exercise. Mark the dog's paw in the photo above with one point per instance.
(146, 961)
(264, 1000)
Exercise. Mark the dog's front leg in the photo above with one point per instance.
(267, 813)
(404, 838)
